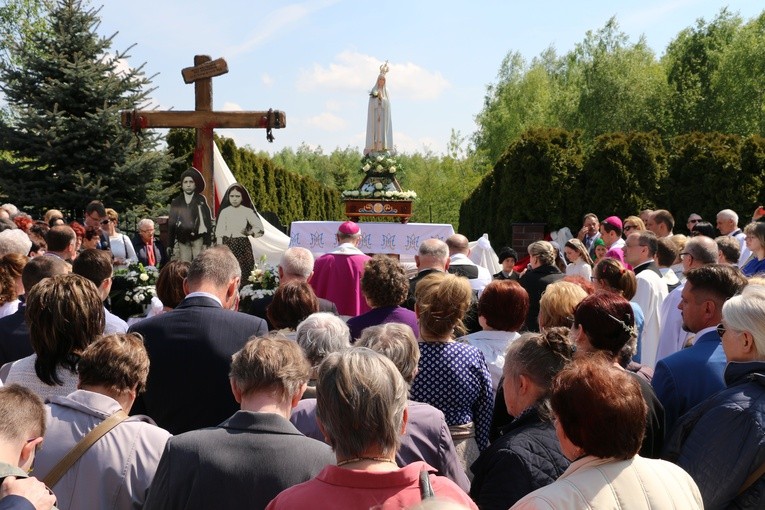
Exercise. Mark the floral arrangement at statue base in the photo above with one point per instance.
(132, 289)
(262, 281)
(379, 189)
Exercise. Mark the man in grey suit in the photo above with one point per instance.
(190, 347)
(255, 454)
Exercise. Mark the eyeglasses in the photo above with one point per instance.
(693, 221)
(721, 329)
(629, 227)
(105, 222)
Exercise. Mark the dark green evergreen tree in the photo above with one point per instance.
(65, 88)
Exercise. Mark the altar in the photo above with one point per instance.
(388, 238)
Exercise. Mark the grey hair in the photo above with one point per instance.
(14, 241)
(544, 251)
(396, 342)
(702, 248)
(728, 214)
(744, 312)
(321, 334)
(216, 265)
(11, 209)
(360, 402)
(297, 261)
(435, 248)
(146, 222)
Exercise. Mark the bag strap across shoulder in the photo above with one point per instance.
(82, 446)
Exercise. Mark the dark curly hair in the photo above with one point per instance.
(384, 282)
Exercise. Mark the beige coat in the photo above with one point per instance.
(635, 484)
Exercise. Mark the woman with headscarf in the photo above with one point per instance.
(237, 221)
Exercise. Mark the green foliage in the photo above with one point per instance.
(65, 89)
(623, 171)
(753, 167)
(705, 176)
(536, 180)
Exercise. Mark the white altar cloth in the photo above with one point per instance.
(398, 238)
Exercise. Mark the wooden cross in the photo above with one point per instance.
(203, 118)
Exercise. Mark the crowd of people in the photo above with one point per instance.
(621, 368)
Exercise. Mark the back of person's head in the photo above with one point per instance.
(65, 314)
(273, 364)
(39, 268)
(51, 214)
(585, 284)
(744, 312)
(216, 266)
(504, 305)
(718, 282)
(14, 241)
(539, 356)
(434, 249)
(600, 408)
(361, 397)
(729, 247)
(397, 343)
(680, 240)
(292, 303)
(118, 362)
(616, 277)
(458, 243)
(95, 265)
(665, 217)
(556, 307)
(23, 414)
(297, 262)
(60, 238)
(703, 249)
(544, 251)
(384, 282)
(170, 282)
(607, 319)
(441, 300)
(11, 268)
(322, 333)
(666, 252)
(95, 206)
(703, 228)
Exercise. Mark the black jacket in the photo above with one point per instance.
(524, 458)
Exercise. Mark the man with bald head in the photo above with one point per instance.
(460, 264)
(432, 257)
(295, 265)
(699, 251)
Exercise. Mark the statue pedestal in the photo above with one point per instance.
(372, 207)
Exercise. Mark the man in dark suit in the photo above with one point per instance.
(256, 453)
(190, 347)
(296, 264)
(14, 332)
(95, 216)
(150, 251)
(432, 257)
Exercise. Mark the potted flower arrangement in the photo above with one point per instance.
(132, 289)
(262, 281)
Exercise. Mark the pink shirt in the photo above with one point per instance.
(337, 277)
(349, 489)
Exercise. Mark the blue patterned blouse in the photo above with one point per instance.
(454, 378)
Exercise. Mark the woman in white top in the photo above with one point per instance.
(237, 221)
(579, 258)
(11, 266)
(120, 244)
(502, 309)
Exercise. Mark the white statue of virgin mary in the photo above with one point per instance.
(379, 125)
